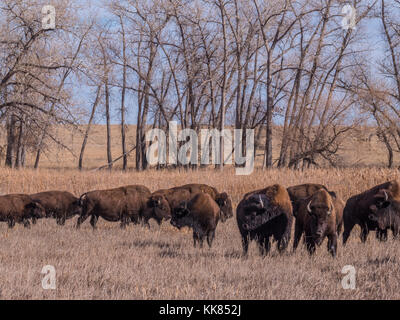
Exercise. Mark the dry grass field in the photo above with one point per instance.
(361, 149)
(161, 263)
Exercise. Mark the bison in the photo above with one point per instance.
(222, 199)
(364, 209)
(175, 196)
(125, 204)
(317, 219)
(19, 208)
(265, 214)
(302, 191)
(386, 211)
(60, 205)
(201, 214)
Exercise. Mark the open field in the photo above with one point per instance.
(161, 263)
(361, 149)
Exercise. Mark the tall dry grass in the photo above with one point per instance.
(161, 263)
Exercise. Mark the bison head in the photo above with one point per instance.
(385, 210)
(159, 207)
(75, 208)
(225, 204)
(320, 209)
(258, 211)
(35, 210)
(181, 216)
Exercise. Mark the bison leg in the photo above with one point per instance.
(145, 223)
(34, 220)
(201, 240)
(264, 245)
(332, 244)
(124, 221)
(381, 235)
(395, 232)
(245, 244)
(61, 220)
(195, 238)
(26, 223)
(348, 226)
(310, 243)
(364, 233)
(210, 237)
(298, 231)
(80, 220)
(11, 223)
(93, 221)
(339, 228)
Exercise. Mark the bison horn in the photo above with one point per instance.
(330, 211)
(308, 207)
(261, 203)
(386, 195)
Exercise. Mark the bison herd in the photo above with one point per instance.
(262, 215)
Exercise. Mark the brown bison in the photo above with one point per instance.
(201, 214)
(317, 219)
(265, 214)
(61, 205)
(221, 198)
(175, 196)
(125, 204)
(302, 191)
(19, 208)
(369, 210)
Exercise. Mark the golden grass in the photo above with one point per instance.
(161, 263)
(362, 148)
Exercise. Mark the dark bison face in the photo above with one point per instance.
(159, 207)
(320, 213)
(36, 210)
(385, 211)
(181, 216)
(225, 204)
(258, 211)
(76, 208)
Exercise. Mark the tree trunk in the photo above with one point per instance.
(109, 156)
(123, 139)
(10, 141)
(85, 138)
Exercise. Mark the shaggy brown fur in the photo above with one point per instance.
(317, 220)
(202, 214)
(19, 208)
(264, 213)
(362, 207)
(60, 205)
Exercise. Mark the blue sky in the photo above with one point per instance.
(85, 94)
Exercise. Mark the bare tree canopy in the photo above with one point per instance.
(297, 72)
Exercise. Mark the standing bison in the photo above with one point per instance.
(372, 209)
(19, 208)
(201, 214)
(125, 204)
(222, 199)
(265, 214)
(176, 195)
(60, 205)
(317, 219)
